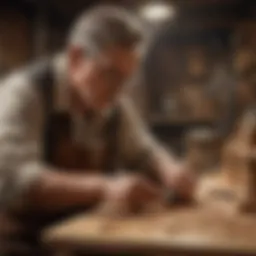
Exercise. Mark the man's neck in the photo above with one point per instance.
(77, 104)
(80, 107)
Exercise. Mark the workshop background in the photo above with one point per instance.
(198, 51)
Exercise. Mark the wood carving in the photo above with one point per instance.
(235, 183)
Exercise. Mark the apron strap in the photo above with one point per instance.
(45, 81)
(112, 158)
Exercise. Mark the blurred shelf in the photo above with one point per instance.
(179, 121)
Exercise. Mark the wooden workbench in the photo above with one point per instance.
(187, 231)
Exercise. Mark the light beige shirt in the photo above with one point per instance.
(21, 130)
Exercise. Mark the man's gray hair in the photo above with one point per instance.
(106, 26)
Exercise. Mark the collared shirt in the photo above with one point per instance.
(21, 129)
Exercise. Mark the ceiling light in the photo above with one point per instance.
(157, 12)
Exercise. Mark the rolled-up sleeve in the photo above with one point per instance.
(21, 120)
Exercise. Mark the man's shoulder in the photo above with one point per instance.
(24, 79)
(37, 70)
(20, 87)
(16, 81)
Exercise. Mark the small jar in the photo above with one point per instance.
(202, 149)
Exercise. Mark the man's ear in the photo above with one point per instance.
(75, 57)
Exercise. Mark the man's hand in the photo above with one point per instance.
(181, 180)
(130, 194)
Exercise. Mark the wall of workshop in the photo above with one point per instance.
(15, 43)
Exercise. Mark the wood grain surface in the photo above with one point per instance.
(193, 229)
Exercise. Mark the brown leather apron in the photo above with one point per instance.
(60, 150)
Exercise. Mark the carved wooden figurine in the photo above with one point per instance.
(235, 183)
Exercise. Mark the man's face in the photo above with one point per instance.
(99, 80)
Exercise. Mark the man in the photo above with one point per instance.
(88, 81)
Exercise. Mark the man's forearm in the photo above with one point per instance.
(57, 191)
(162, 163)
